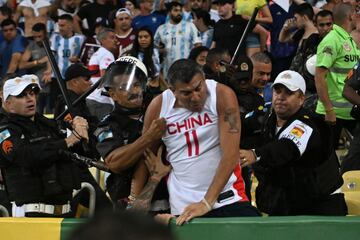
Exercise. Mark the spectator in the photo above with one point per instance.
(297, 167)
(199, 54)
(33, 11)
(262, 67)
(245, 9)
(147, 18)
(38, 178)
(214, 13)
(228, 37)
(61, 7)
(98, 104)
(125, 34)
(204, 24)
(203, 154)
(282, 53)
(355, 34)
(215, 66)
(66, 44)
(133, 7)
(35, 61)
(177, 37)
(336, 56)
(11, 48)
(92, 13)
(324, 22)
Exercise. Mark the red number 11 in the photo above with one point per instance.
(189, 143)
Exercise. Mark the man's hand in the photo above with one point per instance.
(155, 165)
(330, 117)
(47, 76)
(247, 158)
(191, 211)
(156, 130)
(80, 126)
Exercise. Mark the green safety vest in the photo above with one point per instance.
(338, 53)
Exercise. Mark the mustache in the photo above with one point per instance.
(134, 96)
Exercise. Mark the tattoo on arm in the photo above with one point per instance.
(143, 201)
(230, 118)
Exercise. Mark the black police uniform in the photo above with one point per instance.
(352, 160)
(81, 109)
(32, 167)
(298, 169)
(115, 130)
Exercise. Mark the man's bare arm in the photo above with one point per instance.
(322, 90)
(14, 62)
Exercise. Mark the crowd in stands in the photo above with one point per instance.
(298, 35)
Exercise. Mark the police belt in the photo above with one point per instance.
(48, 209)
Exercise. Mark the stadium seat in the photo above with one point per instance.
(351, 190)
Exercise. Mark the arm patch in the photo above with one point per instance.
(4, 134)
(299, 133)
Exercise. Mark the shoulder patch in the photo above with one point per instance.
(328, 50)
(4, 134)
(7, 146)
(106, 134)
(299, 133)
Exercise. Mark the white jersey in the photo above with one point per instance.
(100, 60)
(65, 48)
(178, 40)
(193, 150)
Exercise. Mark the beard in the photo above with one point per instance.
(176, 19)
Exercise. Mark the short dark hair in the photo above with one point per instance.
(324, 13)
(124, 225)
(195, 52)
(39, 27)
(204, 15)
(6, 11)
(183, 71)
(66, 17)
(261, 57)
(216, 54)
(305, 9)
(8, 22)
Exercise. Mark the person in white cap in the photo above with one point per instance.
(296, 165)
(38, 178)
(125, 34)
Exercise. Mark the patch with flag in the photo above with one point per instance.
(5, 134)
(299, 133)
(106, 134)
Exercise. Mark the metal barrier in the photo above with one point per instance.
(4, 212)
(92, 198)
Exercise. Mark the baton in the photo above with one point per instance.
(79, 99)
(61, 84)
(85, 160)
(243, 37)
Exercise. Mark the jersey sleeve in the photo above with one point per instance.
(195, 34)
(157, 37)
(326, 53)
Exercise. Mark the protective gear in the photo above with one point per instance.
(311, 65)
(125, 74)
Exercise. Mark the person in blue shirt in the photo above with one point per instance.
(147, 17)
(11, 48)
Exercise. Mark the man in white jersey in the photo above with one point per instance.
(66, 44)
(202, 138)
(98, 104)
(177, 36)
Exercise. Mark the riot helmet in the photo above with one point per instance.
(125, 81)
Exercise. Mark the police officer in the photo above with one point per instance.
(37, 177)
(296, 166)
(352, 84)
(120, 142)
(77, 83)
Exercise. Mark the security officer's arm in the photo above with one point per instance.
(229, 129)
(352, 84)
(126, 156)
(322, 90)
(290, 146)
(43, 151)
